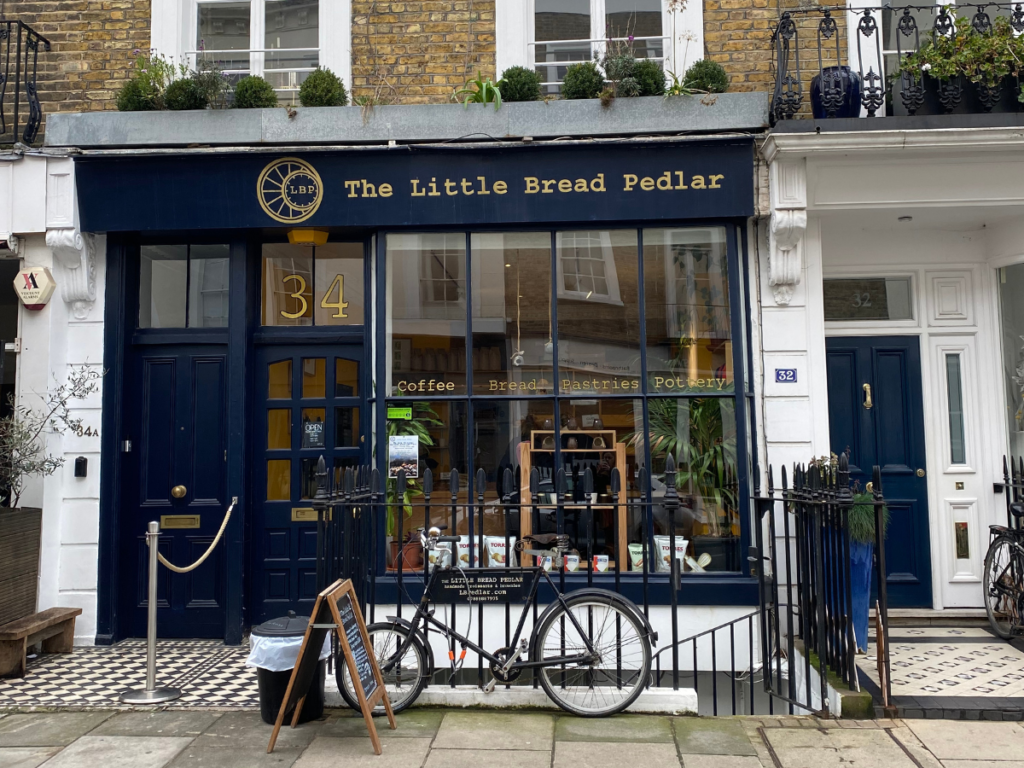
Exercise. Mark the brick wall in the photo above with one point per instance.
(92, 48)
(417, 51)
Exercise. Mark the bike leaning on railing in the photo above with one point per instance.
(591, 649)
(1004, 576)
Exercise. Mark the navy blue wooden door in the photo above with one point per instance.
(309, 403)
(876, 412)
(177, 438)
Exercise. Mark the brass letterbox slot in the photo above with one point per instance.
(179, 521)
(303, 515)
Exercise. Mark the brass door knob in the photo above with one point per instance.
(179, 491)
(920, 473)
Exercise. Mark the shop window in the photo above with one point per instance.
(183, 286)
(277, 39)
(512, 346)
(1011, 288)
(306, 285)
(426, 301)
(689, 325)
(578, 307)
(567, 32)
(701, 434)
(598, 318)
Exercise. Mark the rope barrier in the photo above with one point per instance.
(206, 554)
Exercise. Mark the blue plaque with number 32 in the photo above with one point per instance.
(785, 375)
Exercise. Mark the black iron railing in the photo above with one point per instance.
(803, 548)
(1012, 489)
(20, 112)
(845, 62)
(364, 520)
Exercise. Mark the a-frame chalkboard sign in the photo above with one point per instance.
(337, 608)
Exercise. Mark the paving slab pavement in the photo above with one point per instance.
(495, 730)
(601, 754)
(434, 738)
(25, 757)
(119, 752)
(967, 740)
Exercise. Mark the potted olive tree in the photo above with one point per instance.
(23, 454)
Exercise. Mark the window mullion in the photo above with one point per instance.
(257, 36)
(597, 29)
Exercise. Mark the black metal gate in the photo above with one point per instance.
(803, 563)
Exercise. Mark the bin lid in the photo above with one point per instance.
(285, 626)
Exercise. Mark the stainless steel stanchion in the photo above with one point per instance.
(152, 694)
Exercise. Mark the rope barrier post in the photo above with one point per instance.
(151, 694)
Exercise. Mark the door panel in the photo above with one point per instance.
(307, 405)
(890, 434)
(178, 433)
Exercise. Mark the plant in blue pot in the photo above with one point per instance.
(836, 92)
(862, 550)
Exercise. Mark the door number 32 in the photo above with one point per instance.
(785, 375)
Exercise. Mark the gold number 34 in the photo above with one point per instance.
(340, 305)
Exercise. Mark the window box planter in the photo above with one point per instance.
(959, 96)
(19, 553)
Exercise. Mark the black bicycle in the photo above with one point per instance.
(1004, 578)
(590, 649)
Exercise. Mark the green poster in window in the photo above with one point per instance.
(400, 413)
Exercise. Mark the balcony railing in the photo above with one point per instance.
(19, 64)
(845, 61)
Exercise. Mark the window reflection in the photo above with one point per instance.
(686, 289)
(512, 346)
(598, 312)
(426, 300)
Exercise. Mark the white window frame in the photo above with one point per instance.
(174, 33)
(682, 32)
(610, 275)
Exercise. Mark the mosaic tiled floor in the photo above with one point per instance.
(949, 661)
(209, 674)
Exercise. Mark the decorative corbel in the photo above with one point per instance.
(75, 253)
(788, 182)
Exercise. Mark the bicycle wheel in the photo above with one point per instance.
(1002, 586)
(403, 678)
(613, 680)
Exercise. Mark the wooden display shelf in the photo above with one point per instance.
(527, 450)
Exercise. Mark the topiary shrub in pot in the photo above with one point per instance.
(185, 94)
(520, 84)
(582, 81)
(708, 76)
(253, 92)
(138, 95)
(322, 88)
(651, 77)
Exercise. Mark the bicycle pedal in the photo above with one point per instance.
(489, 688)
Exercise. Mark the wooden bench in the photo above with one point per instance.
(55, 627)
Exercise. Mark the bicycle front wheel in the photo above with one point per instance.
(617, 673)
(1002, 586)
(404, 675)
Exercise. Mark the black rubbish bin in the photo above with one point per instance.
(272, 685)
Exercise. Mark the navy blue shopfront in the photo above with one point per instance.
(264, 309)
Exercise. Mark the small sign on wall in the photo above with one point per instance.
(785, 375)
(34, 287)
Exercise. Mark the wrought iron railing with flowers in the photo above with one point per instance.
(19, 64)
(847, 61)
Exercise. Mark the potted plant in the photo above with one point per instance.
(23, 454)
(423, 418)
(987, 62)
(862, 549)
(694, 431)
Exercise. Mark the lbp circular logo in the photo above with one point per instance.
(290, 190)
